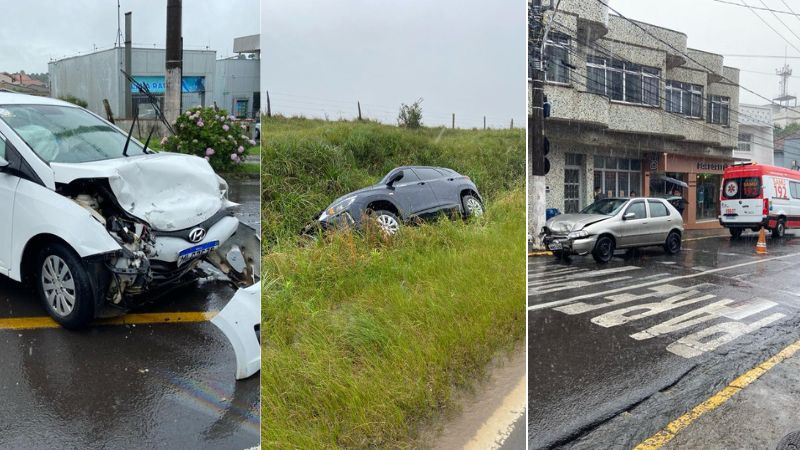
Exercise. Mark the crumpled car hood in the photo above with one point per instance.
(170, 191)
(564, 223)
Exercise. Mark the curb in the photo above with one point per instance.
(540, 253)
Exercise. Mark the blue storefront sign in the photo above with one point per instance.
(156, 84)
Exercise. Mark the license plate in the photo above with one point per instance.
(730, 211)
(196, 251)
(554, 245)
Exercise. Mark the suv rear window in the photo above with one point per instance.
(738, 188)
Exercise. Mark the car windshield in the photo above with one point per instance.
(66, 134)
(606, 206)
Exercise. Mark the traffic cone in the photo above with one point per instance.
(761, 246)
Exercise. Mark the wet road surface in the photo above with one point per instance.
(166, 385)
(618, 351)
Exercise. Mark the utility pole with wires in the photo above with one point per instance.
(536, 186)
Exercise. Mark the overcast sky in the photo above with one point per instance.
(466, 57)
(34, 31)
(727, 30)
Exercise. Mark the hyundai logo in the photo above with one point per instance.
(197, 234)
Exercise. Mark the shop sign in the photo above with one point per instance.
(710, 166)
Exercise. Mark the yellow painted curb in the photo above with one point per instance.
(541, 253)
(669, 432)
(31, 323)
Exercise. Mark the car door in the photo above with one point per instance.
(437, 183)
(418, 193)
(660, 222)
(635, 229)
(413, 195)
(8, 188)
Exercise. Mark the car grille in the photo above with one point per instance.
(206, 224)
(165, 272)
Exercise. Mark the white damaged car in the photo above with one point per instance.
(94, 220)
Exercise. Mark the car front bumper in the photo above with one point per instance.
(565, 245)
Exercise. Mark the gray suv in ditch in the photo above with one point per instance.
(405, 194)
(615, 223)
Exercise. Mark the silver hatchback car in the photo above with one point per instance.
(615, 223)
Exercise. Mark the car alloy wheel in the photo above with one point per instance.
(58, 285)
(474, 207)
(388, 223)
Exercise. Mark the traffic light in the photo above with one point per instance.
(546, 142)
(545, 150)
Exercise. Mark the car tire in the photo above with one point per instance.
(780, 229)
(472, 206)
(387, 221)
(673, 243)
(736, 233)
(63, 285)
(603, 249)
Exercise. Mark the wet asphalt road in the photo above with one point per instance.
(606, 372)
(128, 386)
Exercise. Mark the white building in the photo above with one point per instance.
(755, 134)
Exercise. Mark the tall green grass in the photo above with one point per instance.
(307, 163)
(366, 338)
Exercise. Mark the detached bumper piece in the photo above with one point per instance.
(240, 256)
(240, 321)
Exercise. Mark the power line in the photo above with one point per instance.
(710, 71)
(770, 26)
(790, 9)
(765, 8)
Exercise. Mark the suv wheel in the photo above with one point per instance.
(780, 229)
(472, 206)
(735, 232)
(603, 249)
(387, 220)
(673, 243)
(63, 286)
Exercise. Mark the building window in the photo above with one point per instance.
(240, 108)
(573, 174)
(618, 177)
(623, 81)
(745, 139)
(684, 98)
(718, 109)
(556, 54)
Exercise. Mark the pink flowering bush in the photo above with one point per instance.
(208, 134)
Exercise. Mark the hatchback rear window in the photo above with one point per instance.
(738, 188)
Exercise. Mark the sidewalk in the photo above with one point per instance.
(758, 416)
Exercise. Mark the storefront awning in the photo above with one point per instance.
(674, 181)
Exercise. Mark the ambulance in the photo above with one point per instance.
(756, 195)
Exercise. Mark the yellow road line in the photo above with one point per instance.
(661, 438)
(540, 253)
(31, 323)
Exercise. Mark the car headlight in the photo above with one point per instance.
(337, 208)
(577, 234)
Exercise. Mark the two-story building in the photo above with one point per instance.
(632, 114)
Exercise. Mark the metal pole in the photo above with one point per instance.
(174, 62)
(537, 185)
(128, 65)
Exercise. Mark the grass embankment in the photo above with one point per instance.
(367, 339)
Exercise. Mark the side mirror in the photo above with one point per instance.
(3, 163)
(629, 216)
(395, 178)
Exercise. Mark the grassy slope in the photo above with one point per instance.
(366, 339)
(308, 163)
